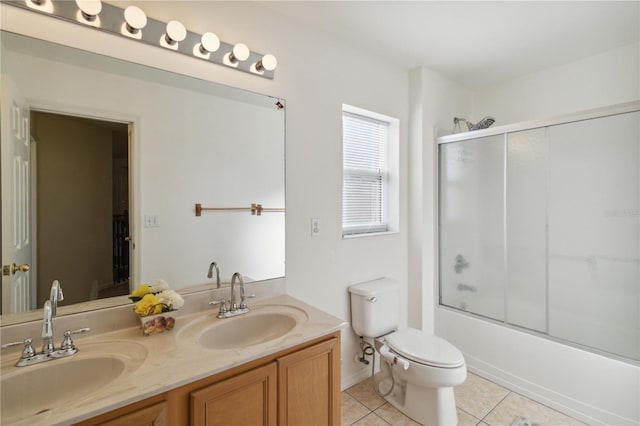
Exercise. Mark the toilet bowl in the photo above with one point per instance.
(424, 391)
(424, 367)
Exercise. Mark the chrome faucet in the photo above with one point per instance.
(55, 296)
(49, 352)
(210, 273)
(47, 328)
(237, 275)
(233, 309)
(49, 311)
(243, 297)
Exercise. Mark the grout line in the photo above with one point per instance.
(358, 419)
(496, 406)
(468, 413)
(375, 414)
(483, 419)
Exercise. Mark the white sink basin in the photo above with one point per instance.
(37, 389)
(247, 331)
(261, 325)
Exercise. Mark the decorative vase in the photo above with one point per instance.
(158, 323)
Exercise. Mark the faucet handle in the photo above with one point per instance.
(222, 303)
(27, 351)
(67, 342)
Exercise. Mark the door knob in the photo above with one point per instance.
(12, 269)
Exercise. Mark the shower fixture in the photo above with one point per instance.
(461, 263)
(485, 123)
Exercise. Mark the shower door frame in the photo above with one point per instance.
(505, 130)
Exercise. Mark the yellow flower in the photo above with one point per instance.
(140, 291)
(148, 305)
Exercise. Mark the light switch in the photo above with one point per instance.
(315, 226)
(151, 221)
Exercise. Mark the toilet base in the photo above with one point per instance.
(428, 406)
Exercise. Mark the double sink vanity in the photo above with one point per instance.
(277, 364)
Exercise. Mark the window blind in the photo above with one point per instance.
(364, 174)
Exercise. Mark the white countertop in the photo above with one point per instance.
(173, 358)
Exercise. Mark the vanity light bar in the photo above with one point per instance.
(132, 23)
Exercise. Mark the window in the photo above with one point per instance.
(370, 165)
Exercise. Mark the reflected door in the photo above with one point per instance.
(16, 169)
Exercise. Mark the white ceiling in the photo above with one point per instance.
(473, 42)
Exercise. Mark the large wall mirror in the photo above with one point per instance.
(115, 157)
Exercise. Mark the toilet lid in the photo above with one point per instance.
(425, 348)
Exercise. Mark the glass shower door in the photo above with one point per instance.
(471, 226)
(594, 233)
(526, 291)
(540, 228)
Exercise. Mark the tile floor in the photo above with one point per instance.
(480, 402)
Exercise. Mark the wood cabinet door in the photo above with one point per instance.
(309, 386)
(154, 415)
(248, 399)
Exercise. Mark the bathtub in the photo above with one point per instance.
(593, 388)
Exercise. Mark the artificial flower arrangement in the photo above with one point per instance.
(156, 306)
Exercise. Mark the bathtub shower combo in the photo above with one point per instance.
(539, 231)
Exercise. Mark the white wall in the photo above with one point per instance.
(315, 75)
(434, 101)
(606, 79)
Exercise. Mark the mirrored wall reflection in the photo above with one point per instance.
(540, 229)
(189, 141)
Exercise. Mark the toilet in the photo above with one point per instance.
(425, 367)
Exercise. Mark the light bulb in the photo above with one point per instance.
(268, 63)
(176, 32)
(89, 9)
(240, 53)
(209, 43)
(135, 19)
(41, 5)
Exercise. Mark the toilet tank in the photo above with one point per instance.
(375, 307)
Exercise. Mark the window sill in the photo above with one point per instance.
(368, 234)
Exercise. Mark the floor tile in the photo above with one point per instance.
(365, 394)
(515, 405)
(466, 419)
(393, 416)
(478, 396)
(371, 420)
(352, 410)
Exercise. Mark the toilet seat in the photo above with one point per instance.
(425, 348)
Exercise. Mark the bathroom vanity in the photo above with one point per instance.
(278, 364)
(297, 386)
